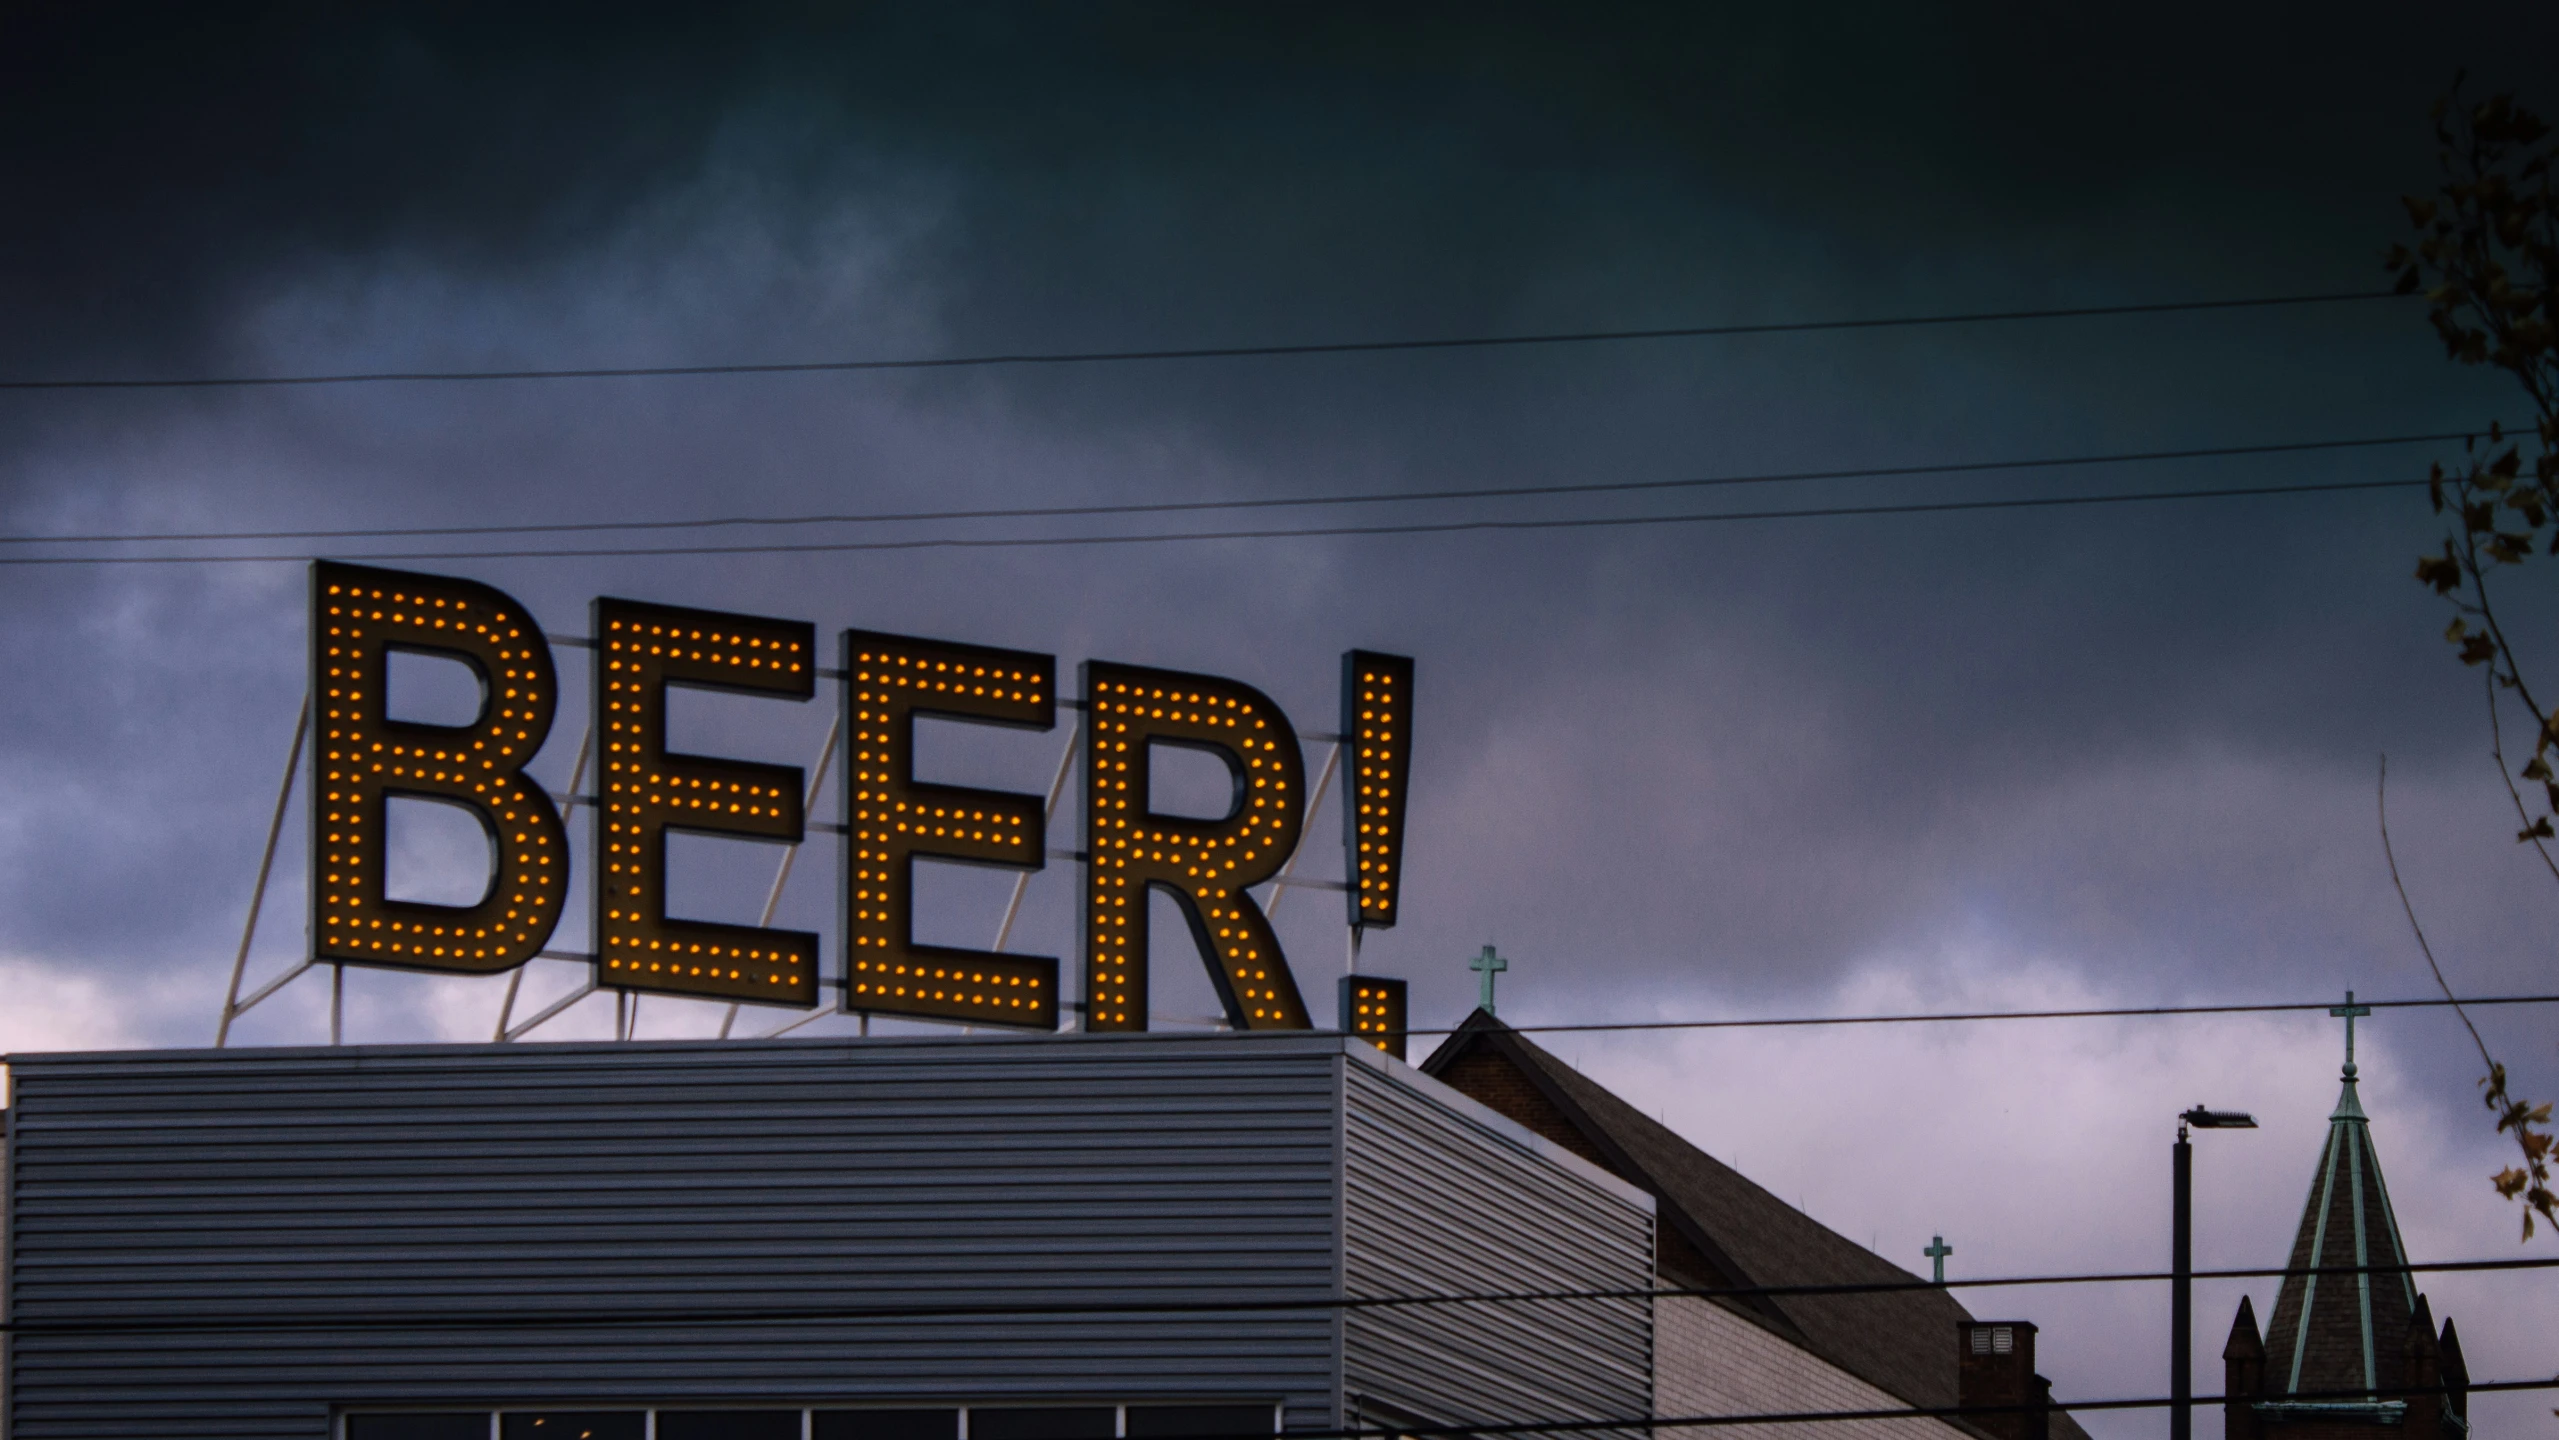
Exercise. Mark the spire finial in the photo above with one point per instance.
(2347, 1012)
(1937, 1251)
(1487, 965)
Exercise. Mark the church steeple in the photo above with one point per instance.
(2341, 1335)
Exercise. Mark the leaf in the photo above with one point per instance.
(2443, 572)
(2537, 830)
(2537, 770)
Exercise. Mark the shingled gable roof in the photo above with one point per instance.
(1903, 1342)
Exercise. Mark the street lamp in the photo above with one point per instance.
(2181, 1302)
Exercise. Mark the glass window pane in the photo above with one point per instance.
(728, 1425)
(1053, 1422)
(885, 1425)
(442, 1425)
(1177, 1422)
(573, 1425)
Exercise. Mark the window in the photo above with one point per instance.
(1195, 1422)
(729, 1425)
(885, 1425)
(574, 1425)
(451, 1425)
(1054, 1422)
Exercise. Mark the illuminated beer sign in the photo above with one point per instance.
(891, 816)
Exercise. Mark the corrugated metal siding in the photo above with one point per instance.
(4, 1254)
(479, 1180)
(1443, 1196)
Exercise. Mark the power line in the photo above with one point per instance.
(1900, 1412)
(2125, 1012)
(1223, 352)
(1446, 527)
(521, 1317)
(2128, 1012)
(1025, 512)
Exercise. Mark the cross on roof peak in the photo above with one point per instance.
(2347, 1012)
(1937, 1252)
(1487, 965)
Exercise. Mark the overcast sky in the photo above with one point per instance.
(2113, 755)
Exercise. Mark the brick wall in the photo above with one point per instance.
(1484, 1076)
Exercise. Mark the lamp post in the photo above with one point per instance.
(2181, 1300)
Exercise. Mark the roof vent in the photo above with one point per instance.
(1994, 1339)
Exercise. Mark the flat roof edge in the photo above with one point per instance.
(1314, 1041)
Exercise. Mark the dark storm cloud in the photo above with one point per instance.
(169, 158)
(317, 189)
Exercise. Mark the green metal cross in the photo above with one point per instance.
(2347, 1012)
(1937, 1251)
(1487, 965)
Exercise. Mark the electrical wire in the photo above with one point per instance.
(1898, 1412)
(1223, 352)
(846, 547)
(1025, 512)
(2127, 1012)
(2124, 1012)
(1975, 1412)
(519, 1316)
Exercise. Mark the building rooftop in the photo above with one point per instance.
(1716, 1227)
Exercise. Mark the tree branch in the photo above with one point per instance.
(2496, 748)
(2381, 802)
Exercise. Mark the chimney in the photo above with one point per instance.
(1995, 1369)
(2243, 1374)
